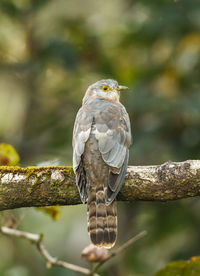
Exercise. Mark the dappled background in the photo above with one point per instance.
(50, 52)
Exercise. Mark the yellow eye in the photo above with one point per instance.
(105, 88)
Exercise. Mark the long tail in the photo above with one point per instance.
(102, 219)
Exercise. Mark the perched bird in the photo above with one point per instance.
(101, 139)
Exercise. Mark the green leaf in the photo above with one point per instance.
(181, 268)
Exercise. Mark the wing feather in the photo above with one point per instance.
(113, 133)
(81, 133)
(116, 181)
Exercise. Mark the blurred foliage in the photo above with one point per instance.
(182, 268)
(8, 155)
(50, 51)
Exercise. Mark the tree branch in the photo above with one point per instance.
(37, 240)
(120, 249)
(46, 186)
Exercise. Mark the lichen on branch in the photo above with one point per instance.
(47, 186)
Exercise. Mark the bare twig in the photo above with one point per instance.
(47, 186)
(37, 240)
(120, 249)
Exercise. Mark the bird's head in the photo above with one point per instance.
(104, 89)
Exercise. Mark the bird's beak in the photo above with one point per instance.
(121, 87)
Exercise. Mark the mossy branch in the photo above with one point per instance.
(46, 186)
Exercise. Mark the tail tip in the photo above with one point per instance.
(104, 239)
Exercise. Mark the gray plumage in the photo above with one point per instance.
(101, 139)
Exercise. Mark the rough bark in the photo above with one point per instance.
(46, 186)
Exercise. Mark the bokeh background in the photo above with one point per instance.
(50, 51)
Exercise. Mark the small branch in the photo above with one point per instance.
(128, 243)
(20, 234)
(37, 240)
(47, 186)
(121, 248)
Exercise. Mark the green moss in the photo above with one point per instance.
(32, 172)
(191, 194)
(168, 191)
(34, 169)
(6, 169)
(67, 170)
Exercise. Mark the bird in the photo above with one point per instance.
(101, 141)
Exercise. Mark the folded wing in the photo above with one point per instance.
(81, 133)
(113, 133)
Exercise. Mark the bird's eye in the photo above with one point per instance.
(105, 88)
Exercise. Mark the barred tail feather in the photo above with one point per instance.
(102, 219)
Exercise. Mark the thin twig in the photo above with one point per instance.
(128, 243)
(37, 240)
(121, 248)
